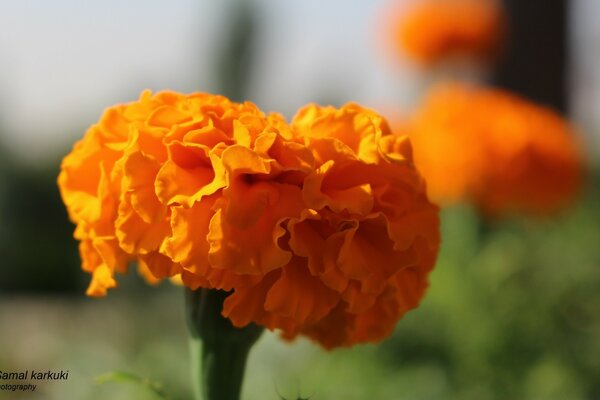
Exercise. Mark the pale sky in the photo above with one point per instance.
(63, 61)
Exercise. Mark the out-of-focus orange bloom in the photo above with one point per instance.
(496, 150)
(431, 31)
(320, 228)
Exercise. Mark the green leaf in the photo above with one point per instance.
(127, 377)
(297, 398)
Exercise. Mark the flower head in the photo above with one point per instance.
(321, 227)
(364, 244)
(432, 31)
(496, 150)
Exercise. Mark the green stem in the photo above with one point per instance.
(219, 350)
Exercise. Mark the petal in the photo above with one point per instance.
(349, 124)
(423, 222)
(140, 174)
(334, 330)
(289, 155)
(83, 180)
(90, 259)
(320, 242)
(147, 274)
(241, 160)
(299, 295)
(241, 134)
(134, 234)
(321, 190)
(411, 284)
(368, 255)
(255, 249)
(158, 265)
(247, 202)
(189, 175)
(356, 300)
(246, 304)
(167, 116)
(102, 280)
(209, 136)
(102, 258)
(110, 253)
(187, 244)
(114, 125)
(396, 148)
(377, 322)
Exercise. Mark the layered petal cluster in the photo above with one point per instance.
(495, 150)
(432, 31)
(321, 227)
(364, 244)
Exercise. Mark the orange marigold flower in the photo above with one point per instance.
(320, 228)
(364, 244)
(496, 150)
(170, 163)
(431, 31)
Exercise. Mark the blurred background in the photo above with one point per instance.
(512, 313)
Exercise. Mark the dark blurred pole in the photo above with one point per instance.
(235, 59)
(535, 64)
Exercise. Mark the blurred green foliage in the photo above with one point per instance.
(36, 247)
(513, 313)
(126, 377)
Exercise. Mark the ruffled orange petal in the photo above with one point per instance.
(356, 300)
(187, 244)
(255, 249)
(419, 222)
(355, 197)
(188, 175)
(102, 280)
(299, 295)
(101, 257)
(139, 175)
(135, 235)
(81, 174)
(334, 330)
(155, 266)
(110, 253)
(167, 116)
(349, 124)
(247, 304)
(288, 155)
(320, 242)
(368, 255)
(114, 127)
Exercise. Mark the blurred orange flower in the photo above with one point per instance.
(430, 31)
(320, 228)
(496, 150)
